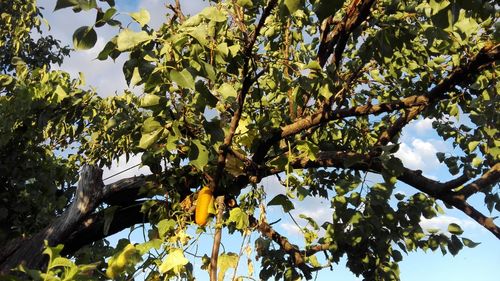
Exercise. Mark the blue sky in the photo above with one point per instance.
(418, 147)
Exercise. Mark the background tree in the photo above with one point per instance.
(314, 92)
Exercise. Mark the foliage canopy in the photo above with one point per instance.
(314, 92)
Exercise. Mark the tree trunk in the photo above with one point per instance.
(29, 252)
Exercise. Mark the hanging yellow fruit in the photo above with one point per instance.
(205, 197)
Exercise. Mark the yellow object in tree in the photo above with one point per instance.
(202, 205)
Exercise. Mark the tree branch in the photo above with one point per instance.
(458, 76)
(87, 196)
(488, 179)
(358, 11)
(94, 227)
(77, 226)
(461, 204)
(415, 104)
(177, 11)
(438, 190)
(297, 256)
(219, 201)
(125, 190)
(247, 83)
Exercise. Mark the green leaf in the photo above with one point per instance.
(477, 161)
(292, 5)
(209, 71)
(60, 93)
(183, 79)
(111, 3)
(136, 77)
(200, 34)
(52, 252)
(61, 4)
(84, 38)
(440, 156)
(205, 93)
(454, 228)
(326, 8)
(437, 6)
(142, 17)
(399, 196)
(145, 247)
(308, 149)
(198, 154)
(147, 139)
(467, 26)
(245, 3)
(472, 145)
(109, 14)
(175, 261)
(127, 39)
(397, 256)
(454, 109)
(150, 125)
(87, 4)
(239, 218)
(325, 91)
(469, 243)
(224, 262)
(166, 226)
(107, 50)
(61, 262)
(282, 200)
(150, 100)
(455, 245)
(227, 91)
(214, 14)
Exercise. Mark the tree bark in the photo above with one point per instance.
(29, 252)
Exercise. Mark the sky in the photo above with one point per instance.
(419, 144)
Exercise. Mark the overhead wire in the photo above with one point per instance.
(121, 172)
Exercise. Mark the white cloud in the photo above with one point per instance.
(421, 154)
(423, 126)
(290, 229)
(410, 158)
(315, 208)
(441, 223)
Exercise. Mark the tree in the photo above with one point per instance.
(316, 93)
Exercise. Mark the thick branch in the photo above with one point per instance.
(94, 227)
(322, 117)
(87, 197)
(415, 104)
(125, 190)
(458, 76)
(489, 178)
(438, 190)
(78, 226)
(459, 203)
